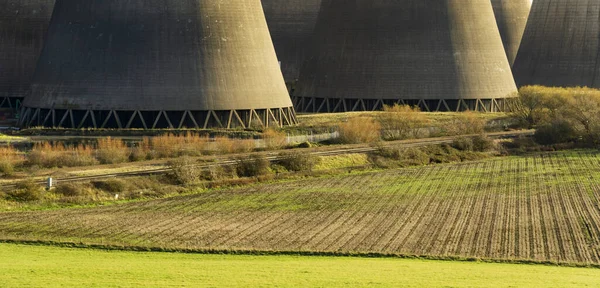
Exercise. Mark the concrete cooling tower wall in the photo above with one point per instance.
(561, 45)
(291, 23)
(511, 16)
(158, 64)
(23, 25)
(442, 55)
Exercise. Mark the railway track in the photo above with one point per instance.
(274, 156)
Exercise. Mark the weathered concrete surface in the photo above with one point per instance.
(158, 56)
(511, 16)
(561, 45)
(407, 49)
(23, 24)
(291, 23)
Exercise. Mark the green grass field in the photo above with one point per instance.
(37, 266)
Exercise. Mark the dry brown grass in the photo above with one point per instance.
(466, 123)
(166, 146)
(402, 122)
(60, 155)
(360, 130)
(112, 151)
(9, 159)
(142, 150)
(274, 139)
(193, 145)
(226, 145)
(170, 146)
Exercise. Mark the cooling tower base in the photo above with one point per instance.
(113, 119)
(10, 102)
(334, 105)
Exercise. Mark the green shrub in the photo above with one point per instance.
(473, 144)
(298, 161)
(70, 189)
(414, 157)
(218, 172)
(463, 144)
(403, 157)
(185, 171)
(111, 185)
(26, 191)
(442, 153)
(557, 132)
(530, 107)
(6, 168)
(522, 145)
(253, 166)
(482, 143)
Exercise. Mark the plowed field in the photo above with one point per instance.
(540, 207)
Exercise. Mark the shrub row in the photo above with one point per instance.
(404, 122)
(462, 149)
(560, 115)
(113, 151)
(91, 192)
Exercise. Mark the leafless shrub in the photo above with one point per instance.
(298, 161)
(185, 171)
(253, 166)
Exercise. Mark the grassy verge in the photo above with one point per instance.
(10, 139)
(33, 266)
(324, 122)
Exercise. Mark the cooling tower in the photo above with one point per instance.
(511, 16)
(23, 24)
(561, 45)
(158, 64)
(443, 55)
(291, 23)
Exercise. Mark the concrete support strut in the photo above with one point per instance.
(329, 105)
(119, 119)
(12, 103)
